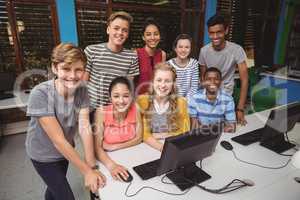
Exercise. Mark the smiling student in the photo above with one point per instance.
(227, 57)
(118, 125)
(57, 109)
(211, 105)
(107, 61)
(149, 55)
(187, 69)
(164, 114)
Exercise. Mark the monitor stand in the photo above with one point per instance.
(277, 143)
(187, 176)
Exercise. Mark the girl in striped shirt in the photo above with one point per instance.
(186, 68)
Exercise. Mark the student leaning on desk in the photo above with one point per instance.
(164, 113)
(117, 125)
(57, 109)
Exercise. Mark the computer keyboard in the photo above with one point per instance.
(6, 96)
(147, 170)
(249, 138)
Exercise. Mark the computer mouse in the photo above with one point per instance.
(226, 145)
(129, 178)
(297, 179)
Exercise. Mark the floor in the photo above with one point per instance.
(19, 181)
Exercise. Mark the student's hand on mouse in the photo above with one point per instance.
(94, 180)
(118, 170)
(241, 118)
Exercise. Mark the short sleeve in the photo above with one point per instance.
(201, 57)
(240, 55)
(134, 69)
(192, 106)
(89, 57)
(230, 113)
(40, 102)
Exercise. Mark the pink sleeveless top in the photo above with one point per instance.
(146, 64)
(115, 132)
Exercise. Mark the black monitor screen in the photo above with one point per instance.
(281, 121)
(7, 81)
(181, 152)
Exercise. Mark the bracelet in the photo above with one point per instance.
(95, 167)
(239, 110)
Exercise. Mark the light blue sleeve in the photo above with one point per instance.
(192, 107)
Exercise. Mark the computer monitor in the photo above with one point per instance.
(180, 154)
(281, 121)
(7, 80)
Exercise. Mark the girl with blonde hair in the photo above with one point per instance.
(164, 114)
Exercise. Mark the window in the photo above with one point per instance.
(174, 17)
(28, 34)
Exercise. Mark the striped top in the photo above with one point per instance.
(187, 77)
(208, 112)
(103, 66)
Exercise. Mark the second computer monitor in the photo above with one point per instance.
(181, 152)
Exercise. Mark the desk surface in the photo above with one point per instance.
(20, 100)
(222, 166)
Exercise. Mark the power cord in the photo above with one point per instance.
(258, 165)
(152, 188)
(225, 189)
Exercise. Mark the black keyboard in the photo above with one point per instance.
(6, 96)
(249, 138)
(147, 170)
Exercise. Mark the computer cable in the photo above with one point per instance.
(226, 145)
(152, 188)
(232, 186)
(292, 142)
(227, 188)
(258, 165)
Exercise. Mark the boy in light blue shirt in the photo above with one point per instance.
(211, 105)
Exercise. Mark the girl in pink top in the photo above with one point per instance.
(149, 55)
(117, 125)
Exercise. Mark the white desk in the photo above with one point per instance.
(222, 166)
(20, 100)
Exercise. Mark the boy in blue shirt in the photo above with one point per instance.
(210, 106)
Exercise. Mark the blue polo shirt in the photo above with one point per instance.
(211, 112)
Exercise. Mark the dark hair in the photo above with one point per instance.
(216, 19)
(182, 36)
(150, 21)
(213, 69)
(120, 80)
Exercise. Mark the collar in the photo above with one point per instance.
(217, 98)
